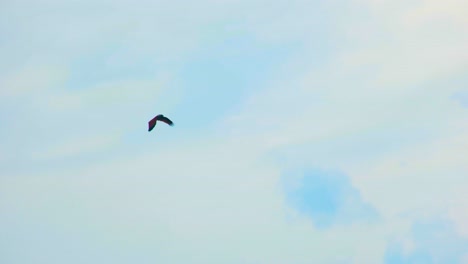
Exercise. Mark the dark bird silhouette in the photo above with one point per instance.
(152, 122)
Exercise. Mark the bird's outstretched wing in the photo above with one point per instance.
(151, 124)
(165, 120)
(162, 118)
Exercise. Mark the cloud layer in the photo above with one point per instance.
(305, 132)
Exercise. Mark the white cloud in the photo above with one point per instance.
(391, 88)
(452, 12)
(76, 146)
(111, 94)
(217, 199)
(457, 209)
(32, 79)
(409, 42)
(421, 179)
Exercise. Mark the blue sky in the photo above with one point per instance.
(301, 127)
(328, 198)
(433, 241)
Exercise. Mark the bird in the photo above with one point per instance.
(162, 118)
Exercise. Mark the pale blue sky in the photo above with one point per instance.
(329, 199)
(305, 131)
(435, 241)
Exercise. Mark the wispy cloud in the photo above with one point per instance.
(31, 80)
(73, 147)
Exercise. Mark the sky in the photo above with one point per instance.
(305, 131)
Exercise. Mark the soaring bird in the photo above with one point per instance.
(152, 122)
